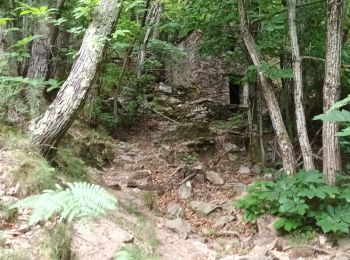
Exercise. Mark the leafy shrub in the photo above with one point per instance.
(79, 201)
(300, 201)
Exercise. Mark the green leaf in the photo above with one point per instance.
(334, 116)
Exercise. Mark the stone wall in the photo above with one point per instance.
(206, 75)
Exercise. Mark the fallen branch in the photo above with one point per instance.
(188, 178)
(158, 113)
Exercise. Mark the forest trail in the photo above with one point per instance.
(142, 177)
(171, 207)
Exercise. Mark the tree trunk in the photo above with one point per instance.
(331, 88)
(285, 146)
(128, 53)
(46, 131)
(152, 21)
(304, 142)
(38, 68)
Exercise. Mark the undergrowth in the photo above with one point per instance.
(133, 252)
(77, 202)
(70, 165)
(300, 201)
(57, 243)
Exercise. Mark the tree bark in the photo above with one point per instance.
(285, 146)
(331, 88)
(126, 62)
(46, 131)
(152, 22)
(304, 142)
(38, 68)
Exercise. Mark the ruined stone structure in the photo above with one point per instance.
(208, 76)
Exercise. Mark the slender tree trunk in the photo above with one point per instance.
(46, 131)
(285, 146)
(153, 19)
(128, 53)
(331, 88)
(298, 90)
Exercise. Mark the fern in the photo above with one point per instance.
(79, 201)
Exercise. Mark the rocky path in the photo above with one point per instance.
(190, 204)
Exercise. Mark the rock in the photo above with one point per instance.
(201, 146)
(152, 187)
(137, 183)
(165, 88)
(257, 168)
(167, 154)
(98, 239)
(222, 221)
(322, 239)
(140, 175)
(203, 208)
(267, 233)
(344, 243)
(244, 170)
(341, 257)
(179, 226)
(174, 210)
(214, 178)
(231, 148)
(233, 157)
(185, 190)
(236, 188)
(126, 158)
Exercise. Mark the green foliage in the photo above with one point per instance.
(302, 236)
(30, 172)
(234, 121)
(57, 243)
(303, 200)
(189, 159)
(132, 252)
(77, 202)
(7, 214)
(334, 114)
(11, 254)
(69, 164)
(41, 12)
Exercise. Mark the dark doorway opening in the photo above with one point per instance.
(235, 93)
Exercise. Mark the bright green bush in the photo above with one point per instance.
(303, 200)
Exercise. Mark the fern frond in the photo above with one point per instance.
(80, 200)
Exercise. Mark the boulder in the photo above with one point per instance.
(233, 157)
(214, 177)
(244, 170)
(231, 148)
(164, 88)
(179, 226)
(185, 190)
(174, 210)
(203, 208)
(222, 221)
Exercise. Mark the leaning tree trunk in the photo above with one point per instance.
(46, 131)
(283, 140)
(304, 142)
(331, 88)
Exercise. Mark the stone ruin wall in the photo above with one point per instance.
(206, 75)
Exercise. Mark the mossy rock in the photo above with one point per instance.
(188, 132)
(95, 147)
